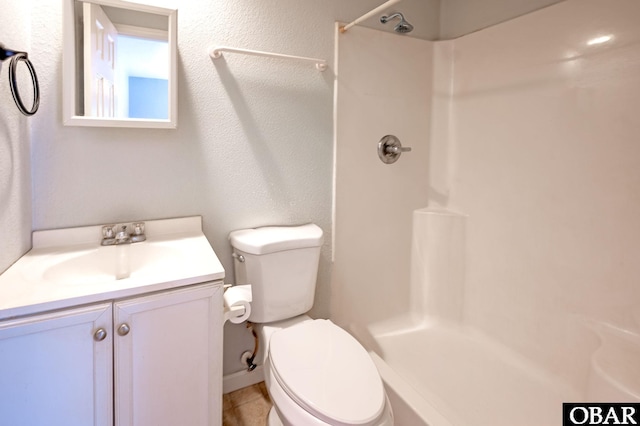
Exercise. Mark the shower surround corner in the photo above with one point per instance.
(518, 280)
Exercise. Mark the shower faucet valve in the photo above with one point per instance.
(390, 148)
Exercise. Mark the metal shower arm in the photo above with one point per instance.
(369, 14)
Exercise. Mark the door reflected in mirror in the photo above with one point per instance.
(123, 65)
(144, 81)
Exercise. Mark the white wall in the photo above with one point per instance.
(547, 168)
(460, 17)
(15, 178)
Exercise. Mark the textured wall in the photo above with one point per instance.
(15, 177)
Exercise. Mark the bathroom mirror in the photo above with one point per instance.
(119, 64)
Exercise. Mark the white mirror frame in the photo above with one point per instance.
(69, 76)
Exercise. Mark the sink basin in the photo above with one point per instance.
(111, 263)
(69, 267)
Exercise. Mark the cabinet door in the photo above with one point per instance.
(168, 358)
(55, 369)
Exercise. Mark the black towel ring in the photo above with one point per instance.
(17, 57)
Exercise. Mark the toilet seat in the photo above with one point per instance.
(324, 370)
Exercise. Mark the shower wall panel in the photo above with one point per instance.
(547, 168)
(383, 87)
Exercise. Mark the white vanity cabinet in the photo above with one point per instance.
(53, 372)
(168, 358)
(153, 359)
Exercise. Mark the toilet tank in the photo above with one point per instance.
(281, 264)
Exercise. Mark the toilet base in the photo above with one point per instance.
(273, 419)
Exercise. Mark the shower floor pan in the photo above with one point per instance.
(448, 376)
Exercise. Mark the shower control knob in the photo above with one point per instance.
(390, 148)
(396, 149)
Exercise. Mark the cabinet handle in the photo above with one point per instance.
(124, 329)
(100, 335)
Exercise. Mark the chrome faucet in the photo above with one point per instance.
(118, 234)
(122, 236)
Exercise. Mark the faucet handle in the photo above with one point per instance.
(138, 228)
(108, 235)
(107, 231)
(138, 232)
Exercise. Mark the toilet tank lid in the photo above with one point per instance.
(270, 239)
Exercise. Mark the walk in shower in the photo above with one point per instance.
(493, 271)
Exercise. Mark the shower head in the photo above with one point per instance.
(402, 27)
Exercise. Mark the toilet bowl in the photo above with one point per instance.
(316, 373)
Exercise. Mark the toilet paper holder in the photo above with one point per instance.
(237, 303)
(233, 312)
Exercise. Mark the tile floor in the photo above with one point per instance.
(246, 407)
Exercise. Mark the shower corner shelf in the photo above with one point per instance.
(216, 53)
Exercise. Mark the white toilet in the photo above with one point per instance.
(316, 373)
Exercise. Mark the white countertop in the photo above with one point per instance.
(69, 267)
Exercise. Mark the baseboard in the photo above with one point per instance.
(242, 379)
